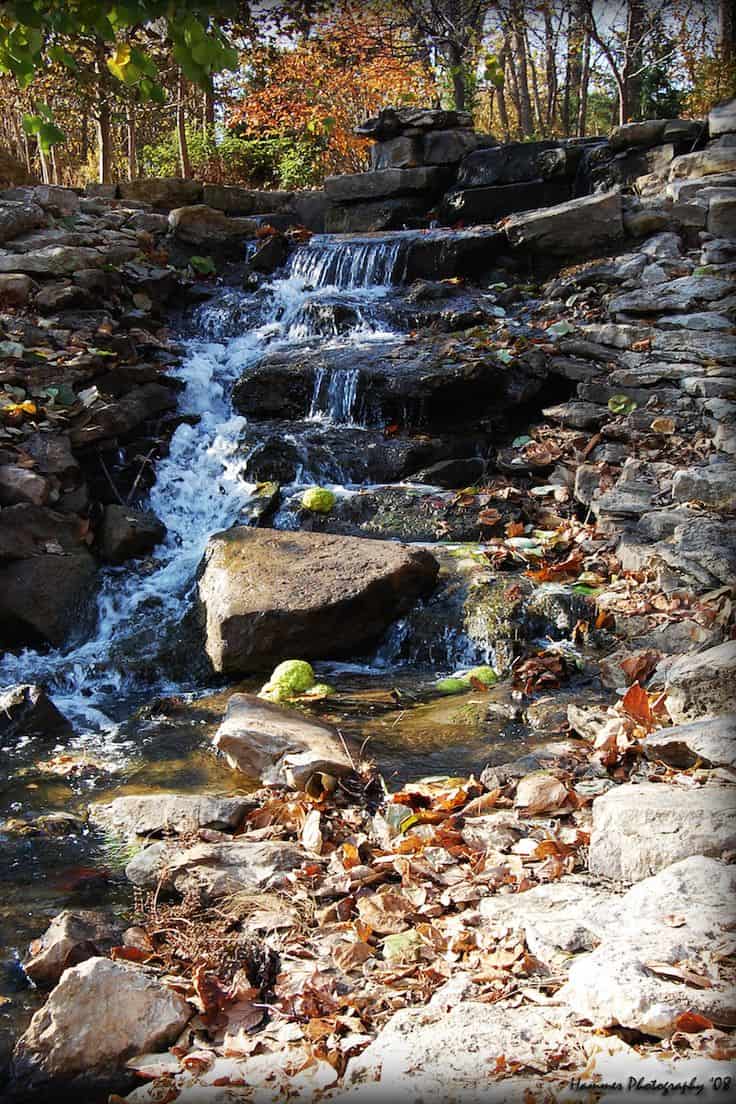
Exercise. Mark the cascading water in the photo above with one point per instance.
(202, 485)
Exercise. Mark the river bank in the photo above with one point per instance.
(558, 440)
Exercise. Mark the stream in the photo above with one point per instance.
(142, 715)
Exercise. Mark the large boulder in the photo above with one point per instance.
(428, 383)
(15, 289)
(510, 163)
(267, 596)
(371, 217)
(164, 192)
(431, 1054)
(715, 159)
(682, 294)
(702, 685)
(640, 829)
(100, 1014)
(210, 229)
(633, 979)
(279, 745)
(60, 202)
(71, 937)
(234, 200)
(43, 598)
(27, 710)
(18, 217)
(489, 204)
(569, 228)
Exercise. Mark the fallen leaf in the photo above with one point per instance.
(692, 1023)
(678, 973)
(636, 703)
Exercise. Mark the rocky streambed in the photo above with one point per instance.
(478, 842)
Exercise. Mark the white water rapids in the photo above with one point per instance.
(202, 484)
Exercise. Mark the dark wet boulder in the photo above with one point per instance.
(433, 382)
(285, 451)
(27, 710)
(494, 202)
(267, 596)
(126, 534)
(569, 228)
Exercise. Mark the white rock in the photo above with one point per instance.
(433, 1055)
(100, 1014)
(558, 920)
(215, 869)
(640, 829)
(275, 744)
(166, 814)
(702, 685)
(712, 741)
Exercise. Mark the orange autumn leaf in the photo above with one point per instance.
(636, 703)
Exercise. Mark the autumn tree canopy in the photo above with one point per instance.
(268, 91)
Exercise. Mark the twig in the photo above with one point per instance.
(146, 460)
(116, 492)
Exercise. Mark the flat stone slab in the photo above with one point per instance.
(169, 814)
(722, 118)
(682, 294)
(640, 829)
(215, 869)
(713, 742)
(269, 595)
(386, 182)
(568, 228)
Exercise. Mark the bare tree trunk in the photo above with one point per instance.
(726, 29)
(535, 86)
(457, 74)
(132, 144)
(44, 166)
(550, 66)
(181, 130)
(512, 82)
(573, 68)
(208, 109)
(503, 114)
(54, 168)
(633, 58)
(104, 142)
(584, 83)
(84, 154)
(525, 106)
(104, 133)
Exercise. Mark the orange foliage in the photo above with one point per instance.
(349, 67)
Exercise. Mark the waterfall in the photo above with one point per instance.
(327, 262)
(202, 485)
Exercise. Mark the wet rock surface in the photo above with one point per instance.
(266, 595)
